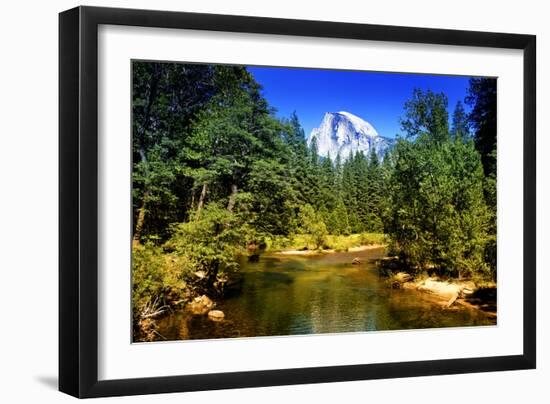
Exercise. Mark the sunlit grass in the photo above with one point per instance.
(332, 242)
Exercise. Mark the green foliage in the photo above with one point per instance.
(332, 242)
(460, 128)
(426, 117)
(210, 245)
(157, 278)
(311, 223)
(482, 97)
(345, 242)
(273, 198)
(438, 214)
(372, 238)
(337, 221)
(216, 174)
(166, 96)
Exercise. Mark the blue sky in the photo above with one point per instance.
(376, 97)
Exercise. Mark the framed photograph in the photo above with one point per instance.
(251, 202)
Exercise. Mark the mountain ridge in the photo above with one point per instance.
(344, 133)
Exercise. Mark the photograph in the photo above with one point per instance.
(245, 202)
(282, 201)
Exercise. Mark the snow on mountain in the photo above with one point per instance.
(344, 133)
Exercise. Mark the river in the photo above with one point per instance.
(294, 295)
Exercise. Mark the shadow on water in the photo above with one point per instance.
(486, 298)
(291, 295)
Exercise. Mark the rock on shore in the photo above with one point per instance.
(200, 305)
(448, 292)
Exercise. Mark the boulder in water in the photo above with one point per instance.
(216, 315)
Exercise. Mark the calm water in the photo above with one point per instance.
(290, 295)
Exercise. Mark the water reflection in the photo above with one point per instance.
(322, 294)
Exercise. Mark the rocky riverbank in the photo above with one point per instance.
(450, 292)
(202, 305)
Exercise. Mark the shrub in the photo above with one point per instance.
(311, 223)
(157, 282)
(210, 245)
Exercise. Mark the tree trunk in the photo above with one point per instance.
(155, 78)
(192, 200)
(232, 198)
(141, 214)
(141, 218)
(201, 200)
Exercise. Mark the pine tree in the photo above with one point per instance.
(482, 97)
(165, 98)
(314, 178)
(328, 184)
(426, 117)
(438, 215)
(460, 129)
(375, 189)
(349, 193)
(337, 222)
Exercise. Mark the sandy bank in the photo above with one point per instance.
(366, 247)
(329, 251)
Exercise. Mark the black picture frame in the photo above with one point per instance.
(78, 201)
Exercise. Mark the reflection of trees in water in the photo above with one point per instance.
(316, 295)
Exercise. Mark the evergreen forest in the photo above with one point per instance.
(218, 177)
